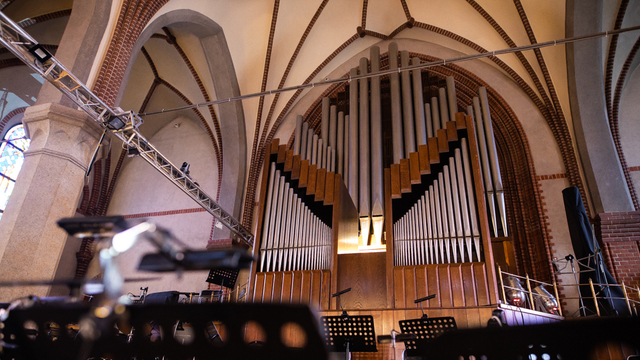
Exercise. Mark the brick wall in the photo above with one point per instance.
(620, 236)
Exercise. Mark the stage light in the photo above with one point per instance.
(514, 291)
(115, 123)
(544, 300)
(40, 53)
(132, 152)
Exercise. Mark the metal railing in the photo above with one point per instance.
(526, 297)
(633, 305)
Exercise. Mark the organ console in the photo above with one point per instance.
(431, 192)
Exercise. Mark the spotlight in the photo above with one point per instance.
(40, 53)
(132, 152)
(515, 291)
(115, 123)
(544, 300)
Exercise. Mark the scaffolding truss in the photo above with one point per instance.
(123, 125)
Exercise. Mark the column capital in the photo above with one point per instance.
(62, 132)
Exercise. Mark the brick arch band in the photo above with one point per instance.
(525, 215)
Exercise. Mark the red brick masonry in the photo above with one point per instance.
(620, 236)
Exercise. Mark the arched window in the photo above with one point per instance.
(12, 149)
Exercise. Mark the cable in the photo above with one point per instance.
(406, 68)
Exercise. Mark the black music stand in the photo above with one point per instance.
(349, 334)
(426, 330)
(223, 277)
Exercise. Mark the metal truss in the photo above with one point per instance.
(123, 125)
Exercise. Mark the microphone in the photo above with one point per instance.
(341, 292)
(424, 299)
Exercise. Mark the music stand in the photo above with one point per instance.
(223, 277)
(426, 330)
(349, 334)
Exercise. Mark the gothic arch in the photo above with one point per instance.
(221, 69)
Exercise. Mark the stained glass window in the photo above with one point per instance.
(12, 149)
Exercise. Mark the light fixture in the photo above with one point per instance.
(514, 291)
(124, 240)
(115, 123)
(40, 53)
(544, 300)
(132, 151)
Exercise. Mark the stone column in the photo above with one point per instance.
(47, 189)
(607, 185)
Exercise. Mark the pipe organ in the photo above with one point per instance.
(294, 237)
(430, 194)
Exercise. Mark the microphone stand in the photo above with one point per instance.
(345, 317)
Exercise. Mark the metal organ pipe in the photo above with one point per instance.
(268, 214)
(493, 159)
(444, 109)
(346, 150)
(319, 153)
(484, 164)
(451, 97)
(396, 105)
(353, 139)
(340, 143)
(472, 209)
(364, 170)
(407, 107)
(435, 115)
(429, 122)
(303, 142)
(377, 174)
(296, 140)
(333, 121)
(309, 144)
(418, 104)
(324, 121)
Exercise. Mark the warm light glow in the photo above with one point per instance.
(124, 240)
